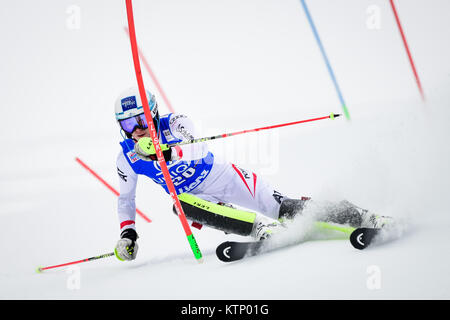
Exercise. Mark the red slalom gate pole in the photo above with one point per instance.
(137, 67)
(106, 255)
(106, 184)
(152, 75)
(408, 52)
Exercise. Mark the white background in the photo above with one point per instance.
(228, 65)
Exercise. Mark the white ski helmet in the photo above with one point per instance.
(130, 112)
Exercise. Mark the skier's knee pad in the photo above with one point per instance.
(289, 208)
(217, 216)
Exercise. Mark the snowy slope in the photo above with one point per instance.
(229, 65)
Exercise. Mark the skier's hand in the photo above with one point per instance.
(127, 247)
(146, 150)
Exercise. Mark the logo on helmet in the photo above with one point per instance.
(128, 103)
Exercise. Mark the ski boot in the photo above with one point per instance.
(377, 222)
(345, 212)
(264, 227)
(289, 208)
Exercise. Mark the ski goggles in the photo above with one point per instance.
(130, 124)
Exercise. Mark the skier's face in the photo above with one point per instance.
(139, 133)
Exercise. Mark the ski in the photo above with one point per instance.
(361, 238)
(229, 251)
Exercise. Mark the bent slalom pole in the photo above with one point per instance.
(154, 136)
(408, 52)
(106, 255)
(325, 58)
(153, 76)
(106, 184)
(225, 135)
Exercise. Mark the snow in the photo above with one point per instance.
(230, 66)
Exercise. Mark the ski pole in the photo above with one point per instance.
(153, 134)
(106, 255)
(225, 135)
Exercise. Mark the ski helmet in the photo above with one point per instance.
(130, 112)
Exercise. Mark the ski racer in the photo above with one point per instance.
(207, 186)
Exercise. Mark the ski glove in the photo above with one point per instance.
(127, 247)
(146, 150)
